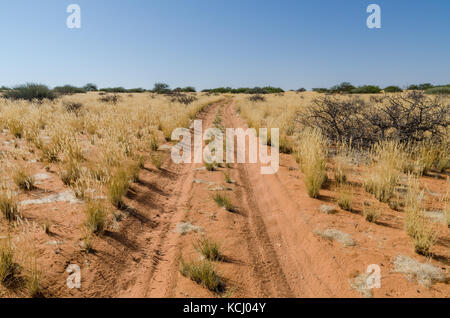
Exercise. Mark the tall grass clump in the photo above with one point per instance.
(9, 205)
(341, 162)
(118, 187)
(370, 213)
(388, 160)
(33, 279)
(22, 179)
(202, 273)
(96, 216)
(345, 197)
(7, 265)
(312, 149)
(421, 230)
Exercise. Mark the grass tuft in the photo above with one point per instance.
(9, 205)
(96, 217)
(223, 201)
(23, 180)
(312, 149)
(210, 250)
(202, 273)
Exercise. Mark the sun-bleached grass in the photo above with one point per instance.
(371, 214)
(275, 111)
(8, 266)
(313, 148)
(9, 204)
(23, 179)
(383, 175)
(342, 162)
(423, 233)
(117, 188)
(157, 160)
(345, 197)
(96, 216)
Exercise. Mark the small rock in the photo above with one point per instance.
(200, 181)
(220, 188)
(328, 209)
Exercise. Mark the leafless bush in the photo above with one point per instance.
(182, 98)
(405, 117)
(72, 107)
(110, 98)
(257, 98)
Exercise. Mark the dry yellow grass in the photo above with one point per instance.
(313, 149)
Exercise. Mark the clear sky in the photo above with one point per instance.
(211, 43)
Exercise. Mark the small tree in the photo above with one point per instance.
(90, 87)
(161, 88)
(344, 87)
(393, 89)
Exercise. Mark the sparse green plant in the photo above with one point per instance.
(210, 250)
(202, 273)
(223, 201)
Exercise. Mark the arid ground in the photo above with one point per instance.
(65, 166)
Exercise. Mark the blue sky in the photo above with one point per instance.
(211, 43)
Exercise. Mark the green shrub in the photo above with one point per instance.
(393, 89)
(203, 273)
(420, 87)
(320, 90)
(440, 90)
(68, 90)
(344, 87)
(30, 91)
(366, 89)
(89, 87)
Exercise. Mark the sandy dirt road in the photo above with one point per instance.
(268, 242)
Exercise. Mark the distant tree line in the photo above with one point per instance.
(245, 90)
(31, 91)
(347, 88)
